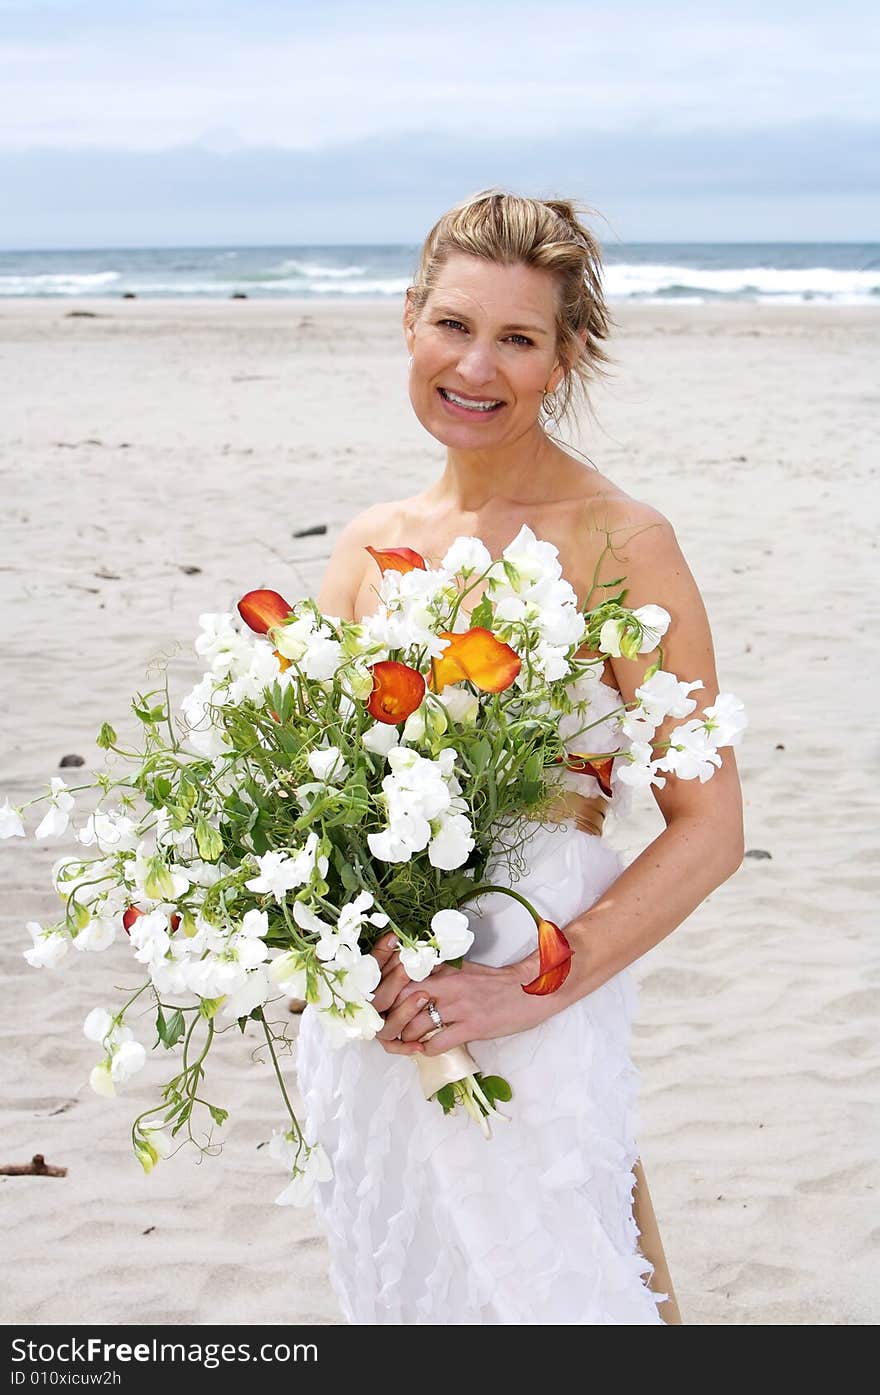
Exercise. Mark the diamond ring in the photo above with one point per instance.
(434, 1014)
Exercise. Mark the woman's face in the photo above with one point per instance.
(484, 352)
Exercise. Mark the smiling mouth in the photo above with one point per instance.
(478, 406)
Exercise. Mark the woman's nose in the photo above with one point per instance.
(477, 363)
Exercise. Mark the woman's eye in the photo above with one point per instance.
(457, 324)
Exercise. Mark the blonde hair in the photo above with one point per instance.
(509, 229)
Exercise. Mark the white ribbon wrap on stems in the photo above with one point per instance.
(445, 1069)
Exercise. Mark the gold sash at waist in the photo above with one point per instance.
(586, 811)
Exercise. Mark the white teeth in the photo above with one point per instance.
(472, 406)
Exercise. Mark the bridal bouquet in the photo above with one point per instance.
(326, 781)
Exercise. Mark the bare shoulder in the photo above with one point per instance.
(632, 529)
(349, 559)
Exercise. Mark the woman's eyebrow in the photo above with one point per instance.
(506, 329)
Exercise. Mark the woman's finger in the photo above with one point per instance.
(400, 1016)
(418, 1027)
(385, 948)
(402, 1048)
(389, 988)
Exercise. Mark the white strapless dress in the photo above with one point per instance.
(429, 1222)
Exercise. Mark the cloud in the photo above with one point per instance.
(297, 76)
(261, 194)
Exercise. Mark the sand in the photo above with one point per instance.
(157, 438)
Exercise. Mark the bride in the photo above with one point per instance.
(551, 1221)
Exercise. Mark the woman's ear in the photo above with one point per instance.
(409, 316)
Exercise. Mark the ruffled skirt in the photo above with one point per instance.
(426, 1220)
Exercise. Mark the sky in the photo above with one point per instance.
(211, 123)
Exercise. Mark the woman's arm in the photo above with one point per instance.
(703, 841)
(701, 846)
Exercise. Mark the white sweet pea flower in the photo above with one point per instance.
(328, 765)
(109, 829)
(610, 636)
(637, 725)
(389, 846)
(360, 973)
(550, 660)
(419, 961)
(322, 657)
(451, 845)
(128, 1058)
(99, 934)
(226, 649)
(727, 719)
(466, 555)
(151, 1146)
(49, 946)
(252, 994)
(353, 915)
(11, 825)
(309, 860)
(380, 738)
(452, 934)
(309, 1169)
(328, 941)
(533, 560)
(204, 733)
(150, 937)
(664, 695)
(691, 754)
(278, 874)
(292, 640)
(359, 1022)
(56, 818)
(289, 971)
(463, 706)
(248, 946)
(124, 1058)
(98, 1025)
(655, 621)
(641, 772)
(262, 671)
(101, 1079)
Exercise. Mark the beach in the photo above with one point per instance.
(156, 460)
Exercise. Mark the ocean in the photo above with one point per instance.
(777, 273)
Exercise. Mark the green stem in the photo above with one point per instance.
(505, 891)
(283, 1087)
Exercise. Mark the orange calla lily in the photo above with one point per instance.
(397, 559)
(588, 765)
(260, 610)
(397, 691)
(477, 655)
(555, 960)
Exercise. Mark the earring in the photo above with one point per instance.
(410, 361)
(549, 404)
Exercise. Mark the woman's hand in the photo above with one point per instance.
(476, 1002)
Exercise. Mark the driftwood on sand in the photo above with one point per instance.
(37, 1167)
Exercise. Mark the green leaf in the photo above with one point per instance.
(480, 753)
(495, 1087)
(482, 614)
(217, 1114)
(106, 737)
(208, 1007)
(171, 1029)
(446, 1096)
